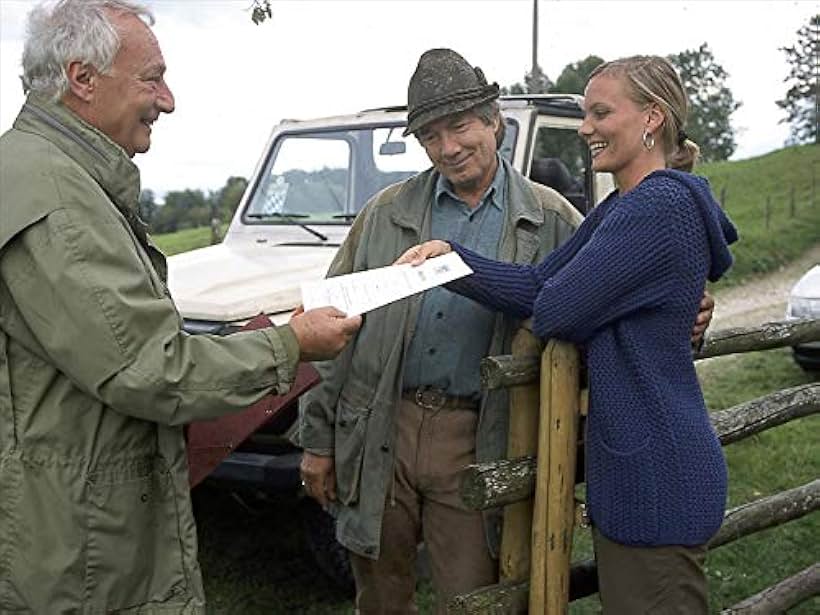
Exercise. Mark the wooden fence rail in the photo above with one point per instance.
(781, 597)
(508, 370)
(763, 337)
(740, 521)
(535, 572)
(496, 483)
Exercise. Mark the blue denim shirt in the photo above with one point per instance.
(453, 333)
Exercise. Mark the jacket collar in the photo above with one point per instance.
(105, 161)
(411, 205)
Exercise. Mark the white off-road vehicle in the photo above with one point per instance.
(313, 178)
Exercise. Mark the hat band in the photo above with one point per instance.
(478, 92)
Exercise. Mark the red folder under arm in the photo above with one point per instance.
(209, 442)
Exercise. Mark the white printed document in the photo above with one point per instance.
(357, 293)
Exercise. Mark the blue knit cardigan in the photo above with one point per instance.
(627, 286)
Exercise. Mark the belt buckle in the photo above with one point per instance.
(430, 399)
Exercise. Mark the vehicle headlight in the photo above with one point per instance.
(803, 307)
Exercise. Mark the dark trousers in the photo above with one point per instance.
(666, 580)
(432, 449)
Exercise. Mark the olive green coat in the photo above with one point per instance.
(96, 382)
(351, 413)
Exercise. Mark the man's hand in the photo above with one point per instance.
(318, 478)
(704, 317)
(420, 253)
(323, 332)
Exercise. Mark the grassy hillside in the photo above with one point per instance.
(183, 241)
(748, 185)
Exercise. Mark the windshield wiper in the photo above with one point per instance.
(277, 214)
(289, 217)
(344, 216)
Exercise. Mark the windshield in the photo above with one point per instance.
(326, 177)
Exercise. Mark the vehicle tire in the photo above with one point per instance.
(331, 557)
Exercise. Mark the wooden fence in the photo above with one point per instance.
(537, 490)
(784, 202)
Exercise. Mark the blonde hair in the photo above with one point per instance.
(653, 79)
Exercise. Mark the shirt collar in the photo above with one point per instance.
(494, 194)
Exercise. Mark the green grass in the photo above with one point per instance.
(183, 241)
(780, 458)
(748, 184)
(255, 561)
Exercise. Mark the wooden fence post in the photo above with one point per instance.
(553, 514)
(723, 196)
(514, 559)
(767, 210)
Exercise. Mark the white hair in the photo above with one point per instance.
(70, 31)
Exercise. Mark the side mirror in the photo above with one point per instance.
(392, 148)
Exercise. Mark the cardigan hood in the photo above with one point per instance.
(719, 229)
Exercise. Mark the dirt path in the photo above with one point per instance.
(762, 300)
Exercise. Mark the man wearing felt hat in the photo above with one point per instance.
(400, 412)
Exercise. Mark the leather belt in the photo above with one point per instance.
(436, 399)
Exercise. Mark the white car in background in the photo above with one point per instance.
(804, 302)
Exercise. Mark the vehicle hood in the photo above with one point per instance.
(809, 285)
(225, 283)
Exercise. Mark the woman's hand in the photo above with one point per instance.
(704, 318)
(420, 253)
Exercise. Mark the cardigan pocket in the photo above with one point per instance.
(134, 550)
(351, 437)
(623, 493)
(622, 434)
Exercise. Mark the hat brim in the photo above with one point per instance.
(450, 108)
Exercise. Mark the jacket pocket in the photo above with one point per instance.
(133, 549)
(351, 437)
(7, 418)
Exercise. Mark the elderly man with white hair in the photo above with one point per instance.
(97, 378)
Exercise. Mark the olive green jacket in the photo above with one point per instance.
(351, 413)
(96, 382)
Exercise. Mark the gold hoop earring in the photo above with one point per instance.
(648, 140)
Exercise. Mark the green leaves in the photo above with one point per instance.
(802, 99)
(260, 11)
(711, 103)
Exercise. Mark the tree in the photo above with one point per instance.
(182, 209)
(711, 103)
(260, 11)
(147, 206)
(535, 82)
(802, 101)
(224, 202)
(573, 79)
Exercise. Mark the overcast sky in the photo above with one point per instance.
(234, 80)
